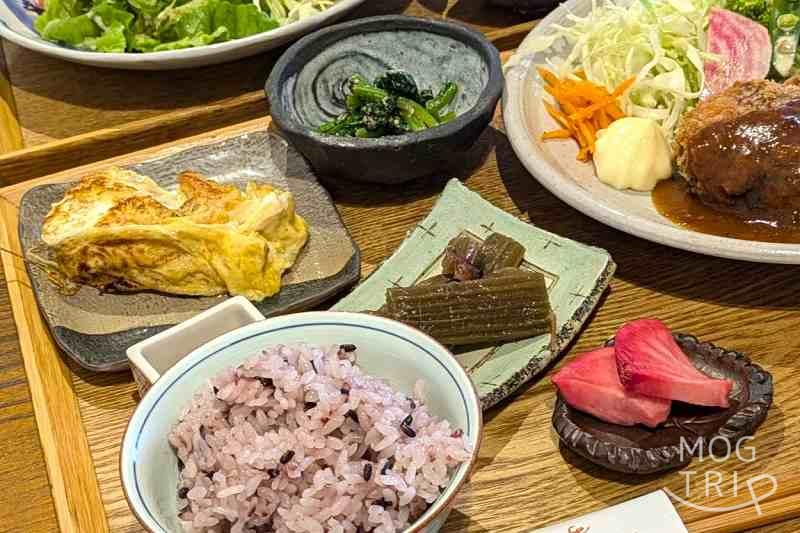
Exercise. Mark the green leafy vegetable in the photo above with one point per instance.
(392, 105)
(758, 10)
(157, 25)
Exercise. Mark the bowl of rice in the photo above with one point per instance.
(311, 422)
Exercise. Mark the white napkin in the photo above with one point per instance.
(651, 513)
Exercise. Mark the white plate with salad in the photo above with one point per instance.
(600, 95)
(162, 34)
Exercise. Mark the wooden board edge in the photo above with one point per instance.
(507, 39)
(70, 469)
(13, 193)
(86, 148)
(79, 150)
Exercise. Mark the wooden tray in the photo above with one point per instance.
(523, 480)
(81, 416)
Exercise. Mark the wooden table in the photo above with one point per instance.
(749, 307)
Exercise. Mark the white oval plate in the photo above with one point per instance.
(16, 25)
(553, 164)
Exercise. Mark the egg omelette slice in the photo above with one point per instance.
(119, 230)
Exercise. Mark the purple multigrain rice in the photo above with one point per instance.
(286, 457)
(387, 465)
(253, 415)
(408, 431)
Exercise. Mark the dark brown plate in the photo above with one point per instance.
(642, 450)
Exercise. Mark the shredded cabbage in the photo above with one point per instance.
(660, 42)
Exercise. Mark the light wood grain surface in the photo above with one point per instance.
(523, 478)
(57, 99)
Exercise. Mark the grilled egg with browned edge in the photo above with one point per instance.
(119, 230)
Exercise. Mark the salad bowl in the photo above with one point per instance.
(554, 165)
(17, 25)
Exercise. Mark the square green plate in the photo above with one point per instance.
(576, 275)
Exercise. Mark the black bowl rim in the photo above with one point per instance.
(487, 100)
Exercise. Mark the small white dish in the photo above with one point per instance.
(16, 25)
(387, 349)
(553, 163)
(155, 355)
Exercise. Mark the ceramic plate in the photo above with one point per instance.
(16, 25)
(553, 164)
(95, 329)
(576, 276)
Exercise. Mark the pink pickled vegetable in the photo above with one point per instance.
(743, 49)
(591, 384)
(650, 362)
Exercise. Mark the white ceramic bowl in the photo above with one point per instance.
(386, 348)
(553, 163)
(16, 25)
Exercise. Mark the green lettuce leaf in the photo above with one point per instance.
(103, 28)
(113, 39)
(187, 20)
(59, 10)
(69, 30)
(201, 20)
(241, 20)
(219, 35)
(150, 25)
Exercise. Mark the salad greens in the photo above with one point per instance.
(758, 10)
(392, 105)
(157, 25)
(659, 42)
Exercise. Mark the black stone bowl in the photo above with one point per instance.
(305, 90)
(689, 429)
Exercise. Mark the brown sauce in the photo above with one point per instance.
(673, 200)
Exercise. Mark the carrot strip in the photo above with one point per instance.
(622, 87)
(557, 134)
(588, 134)
(583, 109)
(558, 116)
(602, 119)
(606, 101)
(548, 77)
(614, 111)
